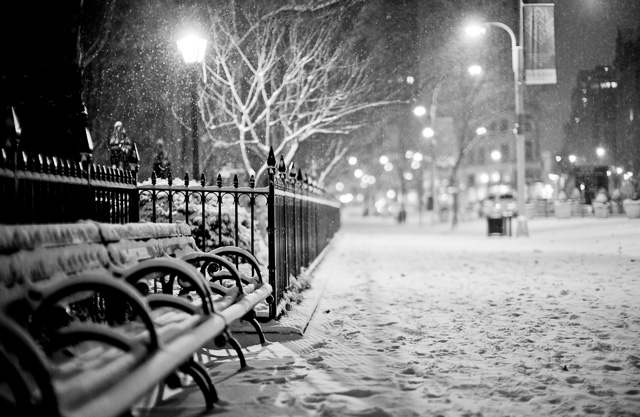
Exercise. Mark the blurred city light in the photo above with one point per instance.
(408, 176)
(384, 159)
(428, 132)
(496, 155)
(391, 194)
(339, 186)
(408, 154)
(358, 173)
(353, 160)
(419, 111)
(474, 70)
(388, 166)
(558, 158)
(481, 131)
(415, 165)
(572, 158)
(600, 151)
(346, 198)
(417, 156)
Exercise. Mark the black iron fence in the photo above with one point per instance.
(44, 189)
(285, 224)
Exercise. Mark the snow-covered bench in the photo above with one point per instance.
(77, 339)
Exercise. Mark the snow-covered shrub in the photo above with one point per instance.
(212, 224)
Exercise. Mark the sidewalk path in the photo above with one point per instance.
(425, 321)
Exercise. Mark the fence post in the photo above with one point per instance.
(271, 219)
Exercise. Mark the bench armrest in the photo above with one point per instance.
(243, 253)
(52, 294)
(208, 259)
(174, 268)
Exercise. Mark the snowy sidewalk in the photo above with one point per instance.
(425, 321)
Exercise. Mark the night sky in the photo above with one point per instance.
(586, 31)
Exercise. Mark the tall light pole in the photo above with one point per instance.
(517, 58)
(193, 48)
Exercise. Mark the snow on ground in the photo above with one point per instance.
(419, 320)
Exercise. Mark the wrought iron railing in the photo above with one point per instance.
(45, 189)
(286, 224)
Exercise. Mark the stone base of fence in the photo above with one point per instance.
(292, 325)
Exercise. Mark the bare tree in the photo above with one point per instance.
(279, 78)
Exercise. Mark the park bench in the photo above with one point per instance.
(80, 336)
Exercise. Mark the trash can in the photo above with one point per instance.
(499, 224)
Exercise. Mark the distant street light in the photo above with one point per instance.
(353, 160)
(428, 132)
(193, 50)
(600, 152)
(474, 70)
(419, 111)
(517, 58)
(481, 131)
(496, 155)
(572, 158)
(384, 159)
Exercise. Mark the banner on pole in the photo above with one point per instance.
(539, 43)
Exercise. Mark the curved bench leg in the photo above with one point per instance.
(236, 346)
(251, 318)
(201, 377)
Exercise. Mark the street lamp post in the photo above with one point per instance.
(517, 58)
(193, 48)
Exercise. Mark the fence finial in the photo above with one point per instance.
(170, 178)
(299, 176)
(292, 172)
(282, 168)
(203, 180)
(186, 179)
(219, 180)
(252, 182)
(153, 178)
(236, 183)
(271, 159)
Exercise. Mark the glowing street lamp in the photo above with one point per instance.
(193, 50)
(600, 152)
(496, 155)
(481, 131)
(572, 158)
(428, 132)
